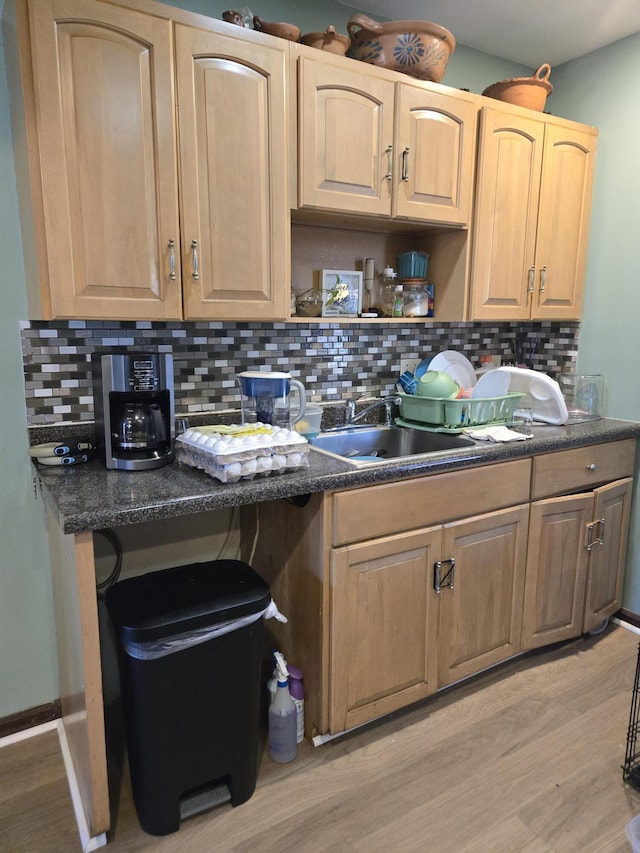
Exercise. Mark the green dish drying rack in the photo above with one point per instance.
(454, 416)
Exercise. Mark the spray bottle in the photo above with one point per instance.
(283, 744)
(272, 683)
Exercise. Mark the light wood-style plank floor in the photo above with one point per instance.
(526, 757)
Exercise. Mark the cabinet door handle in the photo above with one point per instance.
(195, 271)
(389, 153)
(532, 275)
(590, 528)
(543, 279)
(405, 165)
(592, 467)
(446, 581)
(172, 260)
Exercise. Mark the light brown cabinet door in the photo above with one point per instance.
(104, 112)
(556, 576)
(345, 139)
(563, 223)
(506, 213)
(433, 155)
(383, 626)
(531, 227)
(608, 540)
(233, 180)
(480, 615)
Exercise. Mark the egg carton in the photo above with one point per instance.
(241, 452)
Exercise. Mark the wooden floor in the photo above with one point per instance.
(526, 757)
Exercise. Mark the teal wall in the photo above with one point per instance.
(28, 664)
(602, 89)
(596, 90)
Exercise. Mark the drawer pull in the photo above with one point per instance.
(446, 581)
(592, 467)
(195, 264)
(389, 153)
(405, 165)
(543, 279)
(172, 260)
(590, 528)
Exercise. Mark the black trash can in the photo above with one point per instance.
(191, 696)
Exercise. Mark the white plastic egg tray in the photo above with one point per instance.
(241, 452)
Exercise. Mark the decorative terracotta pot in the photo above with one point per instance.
(418, 48)
(528, 92)
(283, 31)
(329, 40)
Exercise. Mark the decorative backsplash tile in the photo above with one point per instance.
(334, 361)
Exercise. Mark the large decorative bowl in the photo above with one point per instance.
(530, 92)
(418, 48)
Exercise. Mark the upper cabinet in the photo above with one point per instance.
(123, 217)
(104, 161)
(370, 145)
(233, 201)
(531, 223)
(163, 156)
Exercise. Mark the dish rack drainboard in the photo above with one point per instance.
(631, 766)
(454, 416)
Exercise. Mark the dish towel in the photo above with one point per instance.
(496, 434)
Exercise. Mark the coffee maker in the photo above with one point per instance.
(134, 409)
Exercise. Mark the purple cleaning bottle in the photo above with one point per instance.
(296, 689)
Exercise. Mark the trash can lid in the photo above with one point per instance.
(174, 601)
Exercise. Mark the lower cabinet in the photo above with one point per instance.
(607, 547)
(481, 606)
(396, 590)
(383, 626)
(577, 542)
(556, 576)
(417, 611)
(575, 564)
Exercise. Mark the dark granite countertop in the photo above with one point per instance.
(89, 497)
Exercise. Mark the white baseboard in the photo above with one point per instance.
(88, 842)
(27, 733)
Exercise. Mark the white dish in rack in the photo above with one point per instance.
(457, 366)
(492, 384)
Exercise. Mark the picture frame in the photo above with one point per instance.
(341, 293)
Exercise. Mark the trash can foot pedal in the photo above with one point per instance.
(204, 799)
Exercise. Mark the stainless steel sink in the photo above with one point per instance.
(376, 444)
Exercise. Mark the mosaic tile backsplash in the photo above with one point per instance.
(335, 362)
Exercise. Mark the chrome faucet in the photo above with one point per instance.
(353, 419)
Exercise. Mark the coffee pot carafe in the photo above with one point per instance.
(266, 398)
(139, 425)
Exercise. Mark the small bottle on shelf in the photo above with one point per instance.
(387, 291)
(398, 302)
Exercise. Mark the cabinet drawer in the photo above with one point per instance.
(362, 514)
(580, 468)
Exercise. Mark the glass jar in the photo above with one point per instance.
(309, 303)
(388, 291)
(416, 298)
